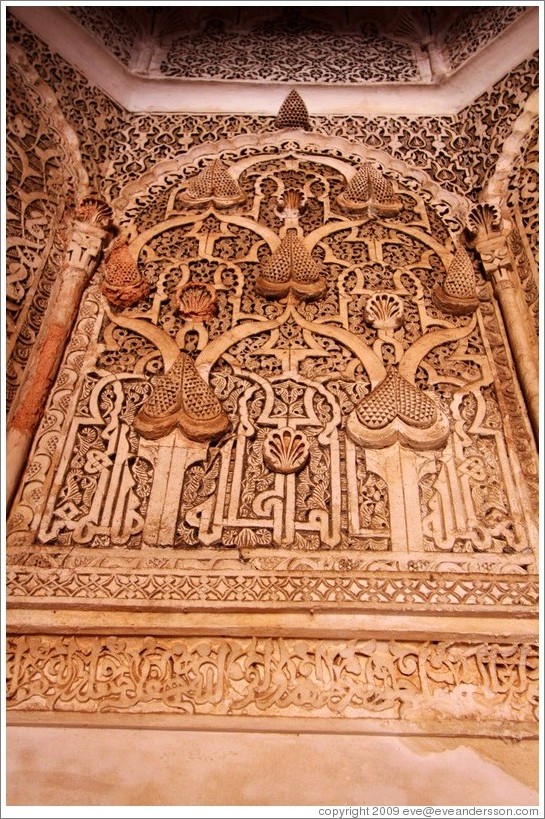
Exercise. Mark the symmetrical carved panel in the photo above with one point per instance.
(459, 152)
(293, 49)
(288, 390)
(319, 409)
(358, 44)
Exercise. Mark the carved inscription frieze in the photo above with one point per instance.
(494, 684)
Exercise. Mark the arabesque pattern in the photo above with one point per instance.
(315, 373)
(288, 392)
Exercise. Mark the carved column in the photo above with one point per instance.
(490, 239)
(90, 233)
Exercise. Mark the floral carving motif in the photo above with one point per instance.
(286, 450)
(484, 220)
(93, 209)
(291, 268)
(396, 410)
(197, 302)
(122, 282)
(297, 49)
(291, 203)
(384, 311)
(45, 176)
(182, 398)
(251, 342)
(315, 336)
(115, 27)
(475, 28)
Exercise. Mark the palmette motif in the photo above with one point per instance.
(397, 411)
(181, 398)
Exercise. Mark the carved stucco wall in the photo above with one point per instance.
(118, 146)
(45, 178)
(474, 29)
(262, 363)
(288, 45)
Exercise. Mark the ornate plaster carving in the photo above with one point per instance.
(409, 683)
(427, 94)
(45, 179)
(293, 113)
(457, 293)
(315, 369)
(181, 398)
(122, 282)
(208, 448)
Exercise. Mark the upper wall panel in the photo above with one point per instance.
(232, 60)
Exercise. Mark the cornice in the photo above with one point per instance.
(138, 93)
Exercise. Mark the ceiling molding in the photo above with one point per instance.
(138, 93)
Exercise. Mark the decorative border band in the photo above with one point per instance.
(201, 589)
(465, 685)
